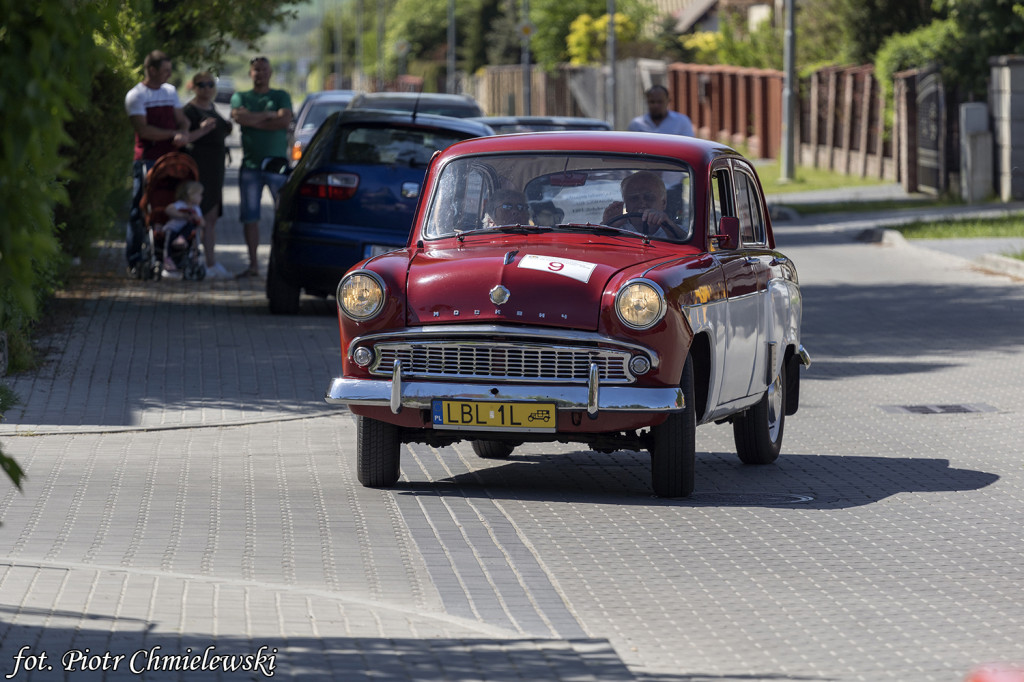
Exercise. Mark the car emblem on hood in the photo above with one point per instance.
(499, 295)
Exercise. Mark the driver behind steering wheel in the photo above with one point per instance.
(643, 194)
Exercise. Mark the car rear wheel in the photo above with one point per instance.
(758, 430)
(492, 449)
(377, 453)
(282, 296)
(673, 445)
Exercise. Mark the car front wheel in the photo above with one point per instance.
(492, 449)
(673, 445)
(758, 430)
(378, 448)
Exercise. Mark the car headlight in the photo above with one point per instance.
(640, 304)
(361, 295)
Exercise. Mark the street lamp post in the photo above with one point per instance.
(450, 85)
(610, 78)
(526, 30)
(786, 171)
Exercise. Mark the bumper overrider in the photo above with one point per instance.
(397, 390)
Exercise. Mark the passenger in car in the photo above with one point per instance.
(546, 213)
(509, 207)
(644, 200)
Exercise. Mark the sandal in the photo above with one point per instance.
(248, 272)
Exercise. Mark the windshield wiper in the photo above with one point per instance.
(604, 229)
(507, 229)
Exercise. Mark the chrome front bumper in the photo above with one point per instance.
(418, 395)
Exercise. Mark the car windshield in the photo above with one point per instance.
(577, 192)
(318, 113)
(387, 144)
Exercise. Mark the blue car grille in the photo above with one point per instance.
(502, 362)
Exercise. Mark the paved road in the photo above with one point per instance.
(189, 489)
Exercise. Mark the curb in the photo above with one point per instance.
(989, 262)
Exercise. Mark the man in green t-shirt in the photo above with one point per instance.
(263, 114)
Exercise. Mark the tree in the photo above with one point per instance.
(504, 40)
(63, 61)
(49, 58)
(423, 24)
(587, 37)
(201, 31)
(759, 48)
(989, 28)
(552, 19)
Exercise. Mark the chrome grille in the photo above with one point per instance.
(505, 361)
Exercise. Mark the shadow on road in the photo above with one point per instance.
(623, 478)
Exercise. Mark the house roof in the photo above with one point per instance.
(689, 12)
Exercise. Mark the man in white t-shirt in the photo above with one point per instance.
(155, 111)
(659, 118)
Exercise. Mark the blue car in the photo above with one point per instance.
(314, 110)
(352, 195)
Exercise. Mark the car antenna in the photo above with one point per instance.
(416, 105)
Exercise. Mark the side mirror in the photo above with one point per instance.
(728, 236)
(275, 164)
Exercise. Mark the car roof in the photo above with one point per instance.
(405, 101)
(463, 125)
(339, 95)
(598, 123)
(695, 151)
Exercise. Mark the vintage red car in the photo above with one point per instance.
(613, 289)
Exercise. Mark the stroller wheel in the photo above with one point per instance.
(195, 271)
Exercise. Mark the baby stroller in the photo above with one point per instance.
(156, 191)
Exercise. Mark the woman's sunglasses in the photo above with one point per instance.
(205, 84)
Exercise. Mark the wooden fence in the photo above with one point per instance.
(841, 124)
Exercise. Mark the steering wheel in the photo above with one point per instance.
(672, 229)
(619, 219)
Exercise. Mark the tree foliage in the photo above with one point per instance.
(760, 47)
(201, 32)
(552, 20)
(588, 37)
(423, 24)
(64, 136)
(49, 58)
(988, 28)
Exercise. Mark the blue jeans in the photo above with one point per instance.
(250, 185)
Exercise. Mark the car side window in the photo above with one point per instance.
(460, 204)
(721, 194)
(748, 209)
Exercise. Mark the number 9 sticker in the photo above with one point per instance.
(566, 267)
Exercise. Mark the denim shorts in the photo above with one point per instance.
(250, 185)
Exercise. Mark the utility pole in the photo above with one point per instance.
(610, 78)
(358, 72)
(526, 31)
(380, 46)
(450, 86)
(339, 79)
(786, 171)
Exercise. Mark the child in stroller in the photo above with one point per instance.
(147, 237)
(184, 217)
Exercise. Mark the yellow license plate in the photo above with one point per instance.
(487, 416)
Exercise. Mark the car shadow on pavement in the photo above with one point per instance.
(805, 481)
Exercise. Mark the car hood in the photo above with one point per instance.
(546, 284)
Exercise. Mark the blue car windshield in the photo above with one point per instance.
(652, 197)
(318, 113)
(392, 145)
